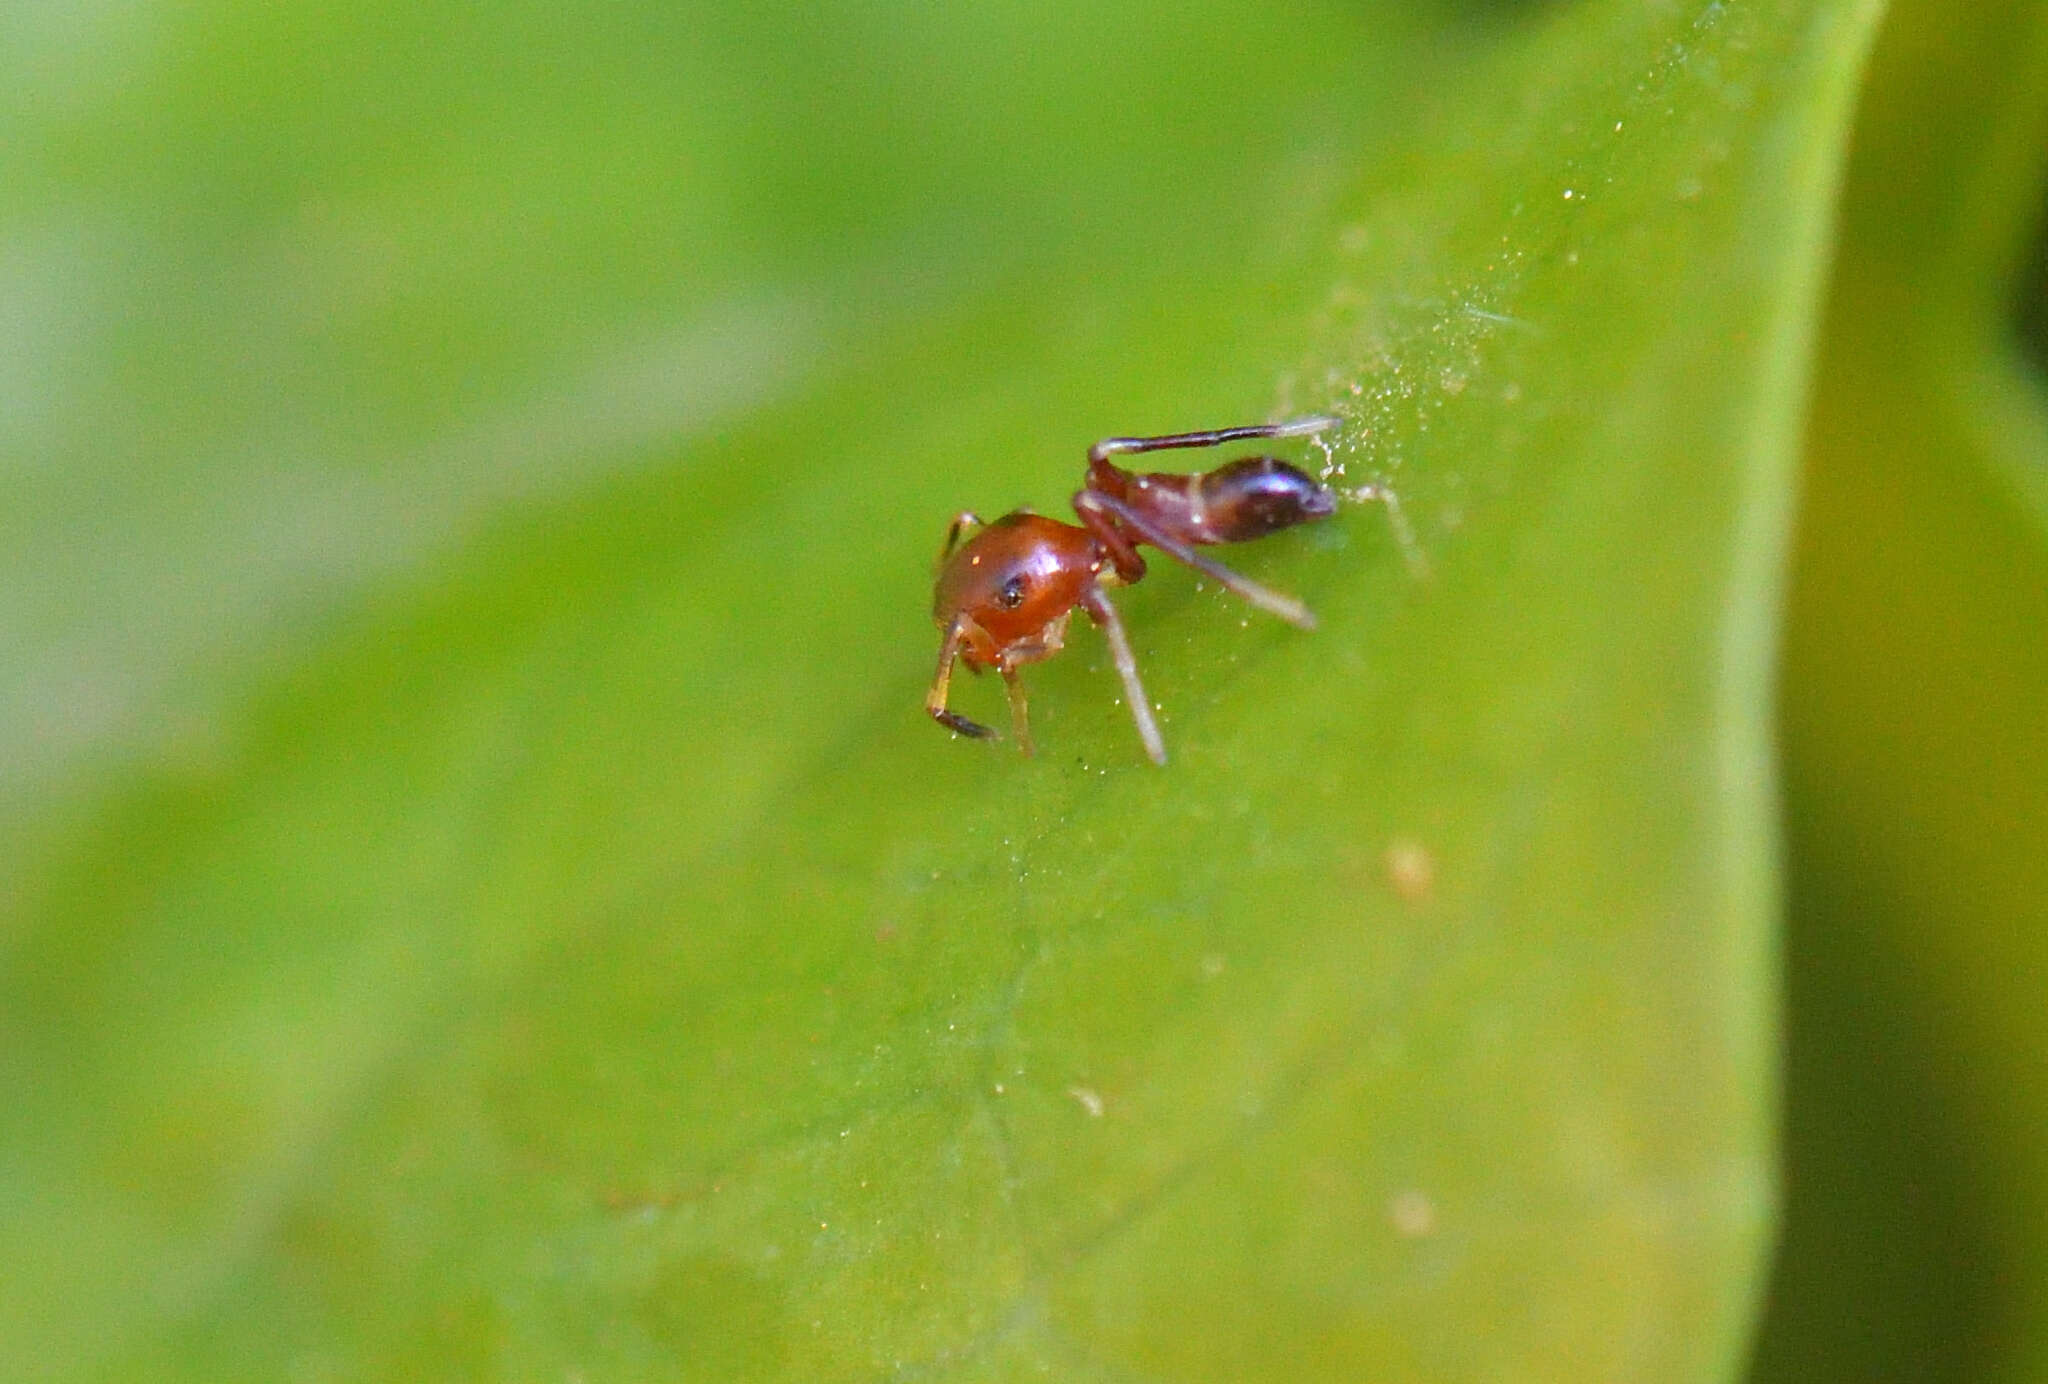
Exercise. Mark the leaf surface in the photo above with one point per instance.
(502, 914)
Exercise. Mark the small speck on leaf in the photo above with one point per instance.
(1412, 1213)
(1411, 869)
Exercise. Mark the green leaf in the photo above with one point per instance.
(1915, 712)
(482, 899)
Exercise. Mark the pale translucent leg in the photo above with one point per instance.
(1120, 654)
(1020, 712)
(1397, 520)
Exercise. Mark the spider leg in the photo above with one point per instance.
(1214, 437)
(1096, 509)
(1020, 712)
(935, 700)
(1104, 614)
(963, 521)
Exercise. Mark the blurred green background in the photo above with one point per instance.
(478, 899)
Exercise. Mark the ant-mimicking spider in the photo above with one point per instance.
(1004, 596)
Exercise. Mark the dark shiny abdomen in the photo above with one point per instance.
(1255, 496)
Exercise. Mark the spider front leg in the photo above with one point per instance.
(935, 700)
(1213, 437)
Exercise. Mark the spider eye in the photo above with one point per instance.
(1012, 594)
